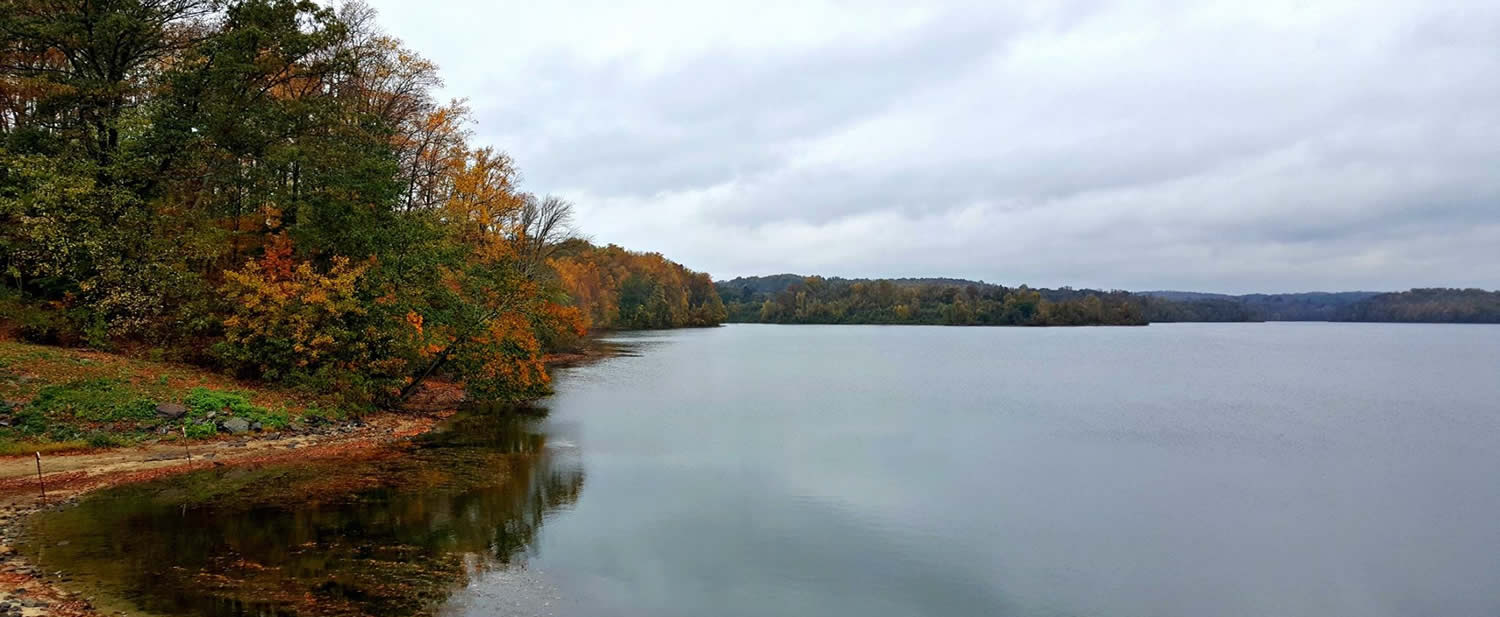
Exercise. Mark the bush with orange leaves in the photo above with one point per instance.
(292, 323)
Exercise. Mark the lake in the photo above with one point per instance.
(1183, 470)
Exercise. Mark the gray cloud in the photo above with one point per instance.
(1218, 146)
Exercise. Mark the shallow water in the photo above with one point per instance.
(1173, 470)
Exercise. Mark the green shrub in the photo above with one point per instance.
(199, 430)
(278, 419)
(29, 421)
(201, 401)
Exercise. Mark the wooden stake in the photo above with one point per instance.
(39, 477)
(185, 445)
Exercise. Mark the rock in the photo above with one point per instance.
(171, 411)
(236, 426)
(255, 426)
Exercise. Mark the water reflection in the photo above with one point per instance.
(389, 535)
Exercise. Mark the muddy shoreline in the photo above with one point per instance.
(27, 590)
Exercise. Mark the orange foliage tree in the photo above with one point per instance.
(620, 289)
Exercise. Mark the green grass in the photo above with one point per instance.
(92, 400)
(77, 399)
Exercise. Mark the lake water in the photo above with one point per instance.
(1174, 470)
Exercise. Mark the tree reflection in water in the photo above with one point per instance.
(391, 534)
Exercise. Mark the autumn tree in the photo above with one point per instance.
(620, 289)
(272, 187)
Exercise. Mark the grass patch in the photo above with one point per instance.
(92, 400)
(10, 447)
(54, 399)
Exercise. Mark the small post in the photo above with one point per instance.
(39, 481)
(185, 445)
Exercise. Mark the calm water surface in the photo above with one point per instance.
(1174, 470)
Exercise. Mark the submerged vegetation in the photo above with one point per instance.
(272, 188)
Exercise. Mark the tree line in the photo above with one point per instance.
(1432, 305)
(273, 187)
(790, 299)
(621, 290)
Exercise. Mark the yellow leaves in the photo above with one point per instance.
(278, 303)
(562, 318)
(661, 292)
(415, 320)
(482, 199)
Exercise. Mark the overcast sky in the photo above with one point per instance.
(1232, 146)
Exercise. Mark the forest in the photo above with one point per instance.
(792, 299)
(1308, 306)
(272, 188)
(1434, 305)
(625, 290)
(1427, 306)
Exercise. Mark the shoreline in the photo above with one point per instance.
(27, 590)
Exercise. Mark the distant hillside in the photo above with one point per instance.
(1427, 306)
(1309, 306)
(793, 298)
(790, 298)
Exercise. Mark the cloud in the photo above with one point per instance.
(1219, 146)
